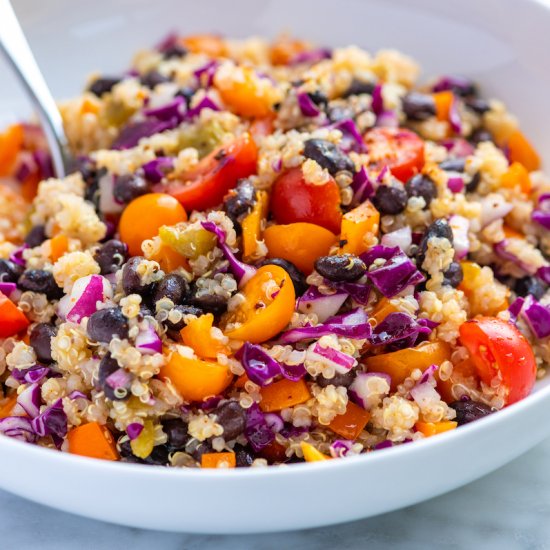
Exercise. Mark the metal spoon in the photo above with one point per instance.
(16, 49)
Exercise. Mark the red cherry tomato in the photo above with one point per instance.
(217, 173)
(498, 349)
(12, 319)
(294, 200)
(402, 151)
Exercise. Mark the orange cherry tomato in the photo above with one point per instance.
(517, 176)
(294, 200)
(522, 151)
(194, 379)
(197, 335)
(12, 319)
(144, 216)
(284, 49)
(11, 142)
(443, 103)
(209, 44)
(299, 243)
(206, 185)
(499, 350)
(402, 151)
(363, 221)
(169, 260)
(267, 308)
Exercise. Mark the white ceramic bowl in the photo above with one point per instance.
(500, 44)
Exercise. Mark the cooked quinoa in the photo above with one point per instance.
(270, 253)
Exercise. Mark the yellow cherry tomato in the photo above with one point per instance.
(311, 454)
(267, 308)
(144, 216)
(198, 335)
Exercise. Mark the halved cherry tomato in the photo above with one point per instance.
(197, 335)
(168, 259)
(402, 151)
(498, 349)
(521, 150)
(144, 216)
(12, 319)
(206, 185)
(299, 243)
(464, 375)
(294, 200)
(252, 225)
(517, 176)
(363, 221)
(267, 308)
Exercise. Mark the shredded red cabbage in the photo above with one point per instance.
(307, 105)
(387, 119)
(274, 422)
(52, 421)
(204, 103)
(134, 430)
(311, 56)
(7, 288)
(17, 255)
(537, 317)
(455, 184)
(29, 400)
(398, 327)
(359, 390)
(32, 374)
(173, 111)
(18, 427)
(352, 140)
(156, 169)
(343, 360)
(257, 432)
(259, 366)
(377, 99)
(360, 292)
(362, 186)
(459, 84)
(322, 305)
(148, 341)
(205, 74)
(132, 133)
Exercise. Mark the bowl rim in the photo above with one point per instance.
(161, 472)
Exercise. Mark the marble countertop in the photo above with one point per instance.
(508, 509)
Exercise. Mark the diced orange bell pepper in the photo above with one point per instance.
(283, 394)
(470, 284)
(350, 424)
(209, 44)
(400, 364)
(383, 308)
(443, 102)
(11, 142)
(464, 373)
(194, 379)
(241, 381)
(197, 335)
(94, 441)
(267, 308)
(29, 187)
(59, 245)
(520, 150)
(169, 260)
(12, 319)
(274, 452)
(511, 233)
(89, 107)
(300, 243)
(517, 176)
(7, 408)
(311, 454)
(434, 428)
(218, 460)
(357, 224)
(285, 48)
(252, 225)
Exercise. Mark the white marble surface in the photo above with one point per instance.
(507, 510)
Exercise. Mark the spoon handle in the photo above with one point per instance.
(16, 49)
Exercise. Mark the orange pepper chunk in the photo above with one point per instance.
(400, 364)
(283, 394)
(89, 107)
(511, 233)
(7, 408)
(12, 319)
(520, 150)
(195, 380)
(470, 284)
(300, 243)
(434, 428)
(198, 335)
(218, 460)
(350, 424)
(241, 381)
(169, 260)
(11, 142)
(517, 176)
(357, 224)
(284, 49)
(463, 373)
(29, 187)
(383, 308)
(252, 225)
(59, 245)
(209, 44)
(443, 102)
(94, 441)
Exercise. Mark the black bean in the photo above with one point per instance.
(471, 186)
(296, 276)
(481, 135)
(339, 379)
(232, 418)
(36, 236)
(478, 105)
(10, 271)
(240, 201)
(174, 287)
(532, 286)
(337, 113)
(318, 97)
(209, 303)
(468, 411)
(106, 324)
(176, 431)
(328, 155)
(421, 186)
(243, 456)
(453, 275)
(344, 267)
(42, 281)
(453, 165)
(125, 450)
(103, 85)
(128, 187)
(358, 87)
(41, 341)
(441, 229)
(187, 93)
(390, 199)
(111, 256)
(176, 51)
(131, 281)
(196, 448)
(417, 106)
(159, 456)
(184, 310)
(153, 78)
(108, 366)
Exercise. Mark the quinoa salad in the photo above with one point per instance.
(269, 253)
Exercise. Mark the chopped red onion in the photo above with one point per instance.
(401, 238)
(274, 422)
(307, 105)
(86, 293)
(29, 400)
(377, 99)
(134, 430)
(322, 305)
(7, 288)
(455, 184)
(358, 391)
(340, 448)
(148, 341)
(387, 119)
(460, 227)
(17, 255)
(341, 361)
(493, 207)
